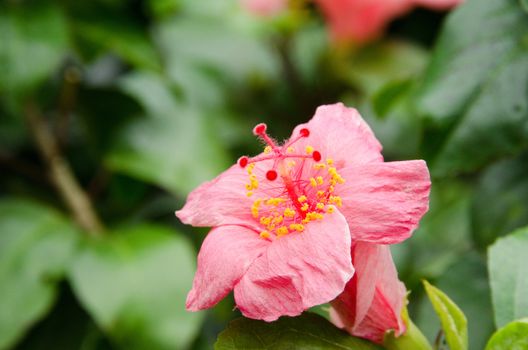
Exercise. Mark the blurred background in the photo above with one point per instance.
(111, 111)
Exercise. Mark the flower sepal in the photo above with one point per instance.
(412, 339)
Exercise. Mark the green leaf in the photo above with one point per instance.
(36, 245)
(454, 322)
(507, 261)
(30, 33)
(477, 83)
(499, 204)
(387, 97)
(307, 332)
(127, 40)
(510, 337)
(133, 282)
(474, 299)
(173, 145)
(524, 4)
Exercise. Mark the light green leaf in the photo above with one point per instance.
(29, 34)
(513, 336)
(477, 83)
(499, 204)
(454, 322)
(474, 299)
(507, 261)
(174, 145)
(36, 245)
(307, 332)
(133, 282)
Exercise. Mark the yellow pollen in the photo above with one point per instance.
(281, 231)
(336, 200)
(275, 201)
(302, 199)
(265, 234)
(330, 209)
(250, 168)
(290, 149)
(265, 220)
(320, 180)
(320, 206)
(320, 193)
(291, 164)
(319, 166)
(297, 227)
(305, 207)
(267, 150)
(330, 161)
(249, 194)
(277, 220)
(309, 149)
(289, 213)
(313, 182)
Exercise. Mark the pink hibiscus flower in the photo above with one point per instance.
(373, 299)
(365, 20)
(284, 221)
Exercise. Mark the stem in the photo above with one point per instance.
(61, 173)
(412, 339)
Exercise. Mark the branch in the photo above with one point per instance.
(61, 173)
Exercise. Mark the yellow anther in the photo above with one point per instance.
(249, 187)
(302, 199)
(249, 193)
(291, 163)
(313, 182)
(277, 220)
(265, 234)
(309, 149)
(330, 209)
(265, 220)
(305, 207)
(250, 168)
(319, 166)
(320, 180)
(331, 189)
(320, 206)
(275, 201)
(321, 193)
(281, 231)
(297, 227)
(267, 149)
(254, 212)
(336, 200)
(289, 213)
(290, 149)
(330, 161)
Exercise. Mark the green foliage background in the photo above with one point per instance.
(146, 99)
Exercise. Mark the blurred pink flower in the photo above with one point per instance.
(372, 301)
(283, 221)
(365, 20)
(265, 8)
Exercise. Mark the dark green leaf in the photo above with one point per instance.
(477, 84)
(473, 298)
(524, 4)
(307, 332)
(36, 245)
(30, 34)
(513, 336)
(453, 320)
(134, 283)
(173, 146)
(386, 98)
(499, 205)
(507, 261)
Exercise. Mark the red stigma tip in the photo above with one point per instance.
(271, 175)
(243, 161)
(259, 129)
(316, 156)
(304, 132)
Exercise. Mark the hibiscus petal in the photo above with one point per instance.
(298, 271)
(339, 132)
(225, 255)
(383, 202)
(220, 201)
(373, 300)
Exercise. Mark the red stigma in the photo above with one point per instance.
(259, 129)
(271, 175)
(243, 161)
(316, 156)
(304, 132)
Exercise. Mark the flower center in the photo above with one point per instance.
(306, 186)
